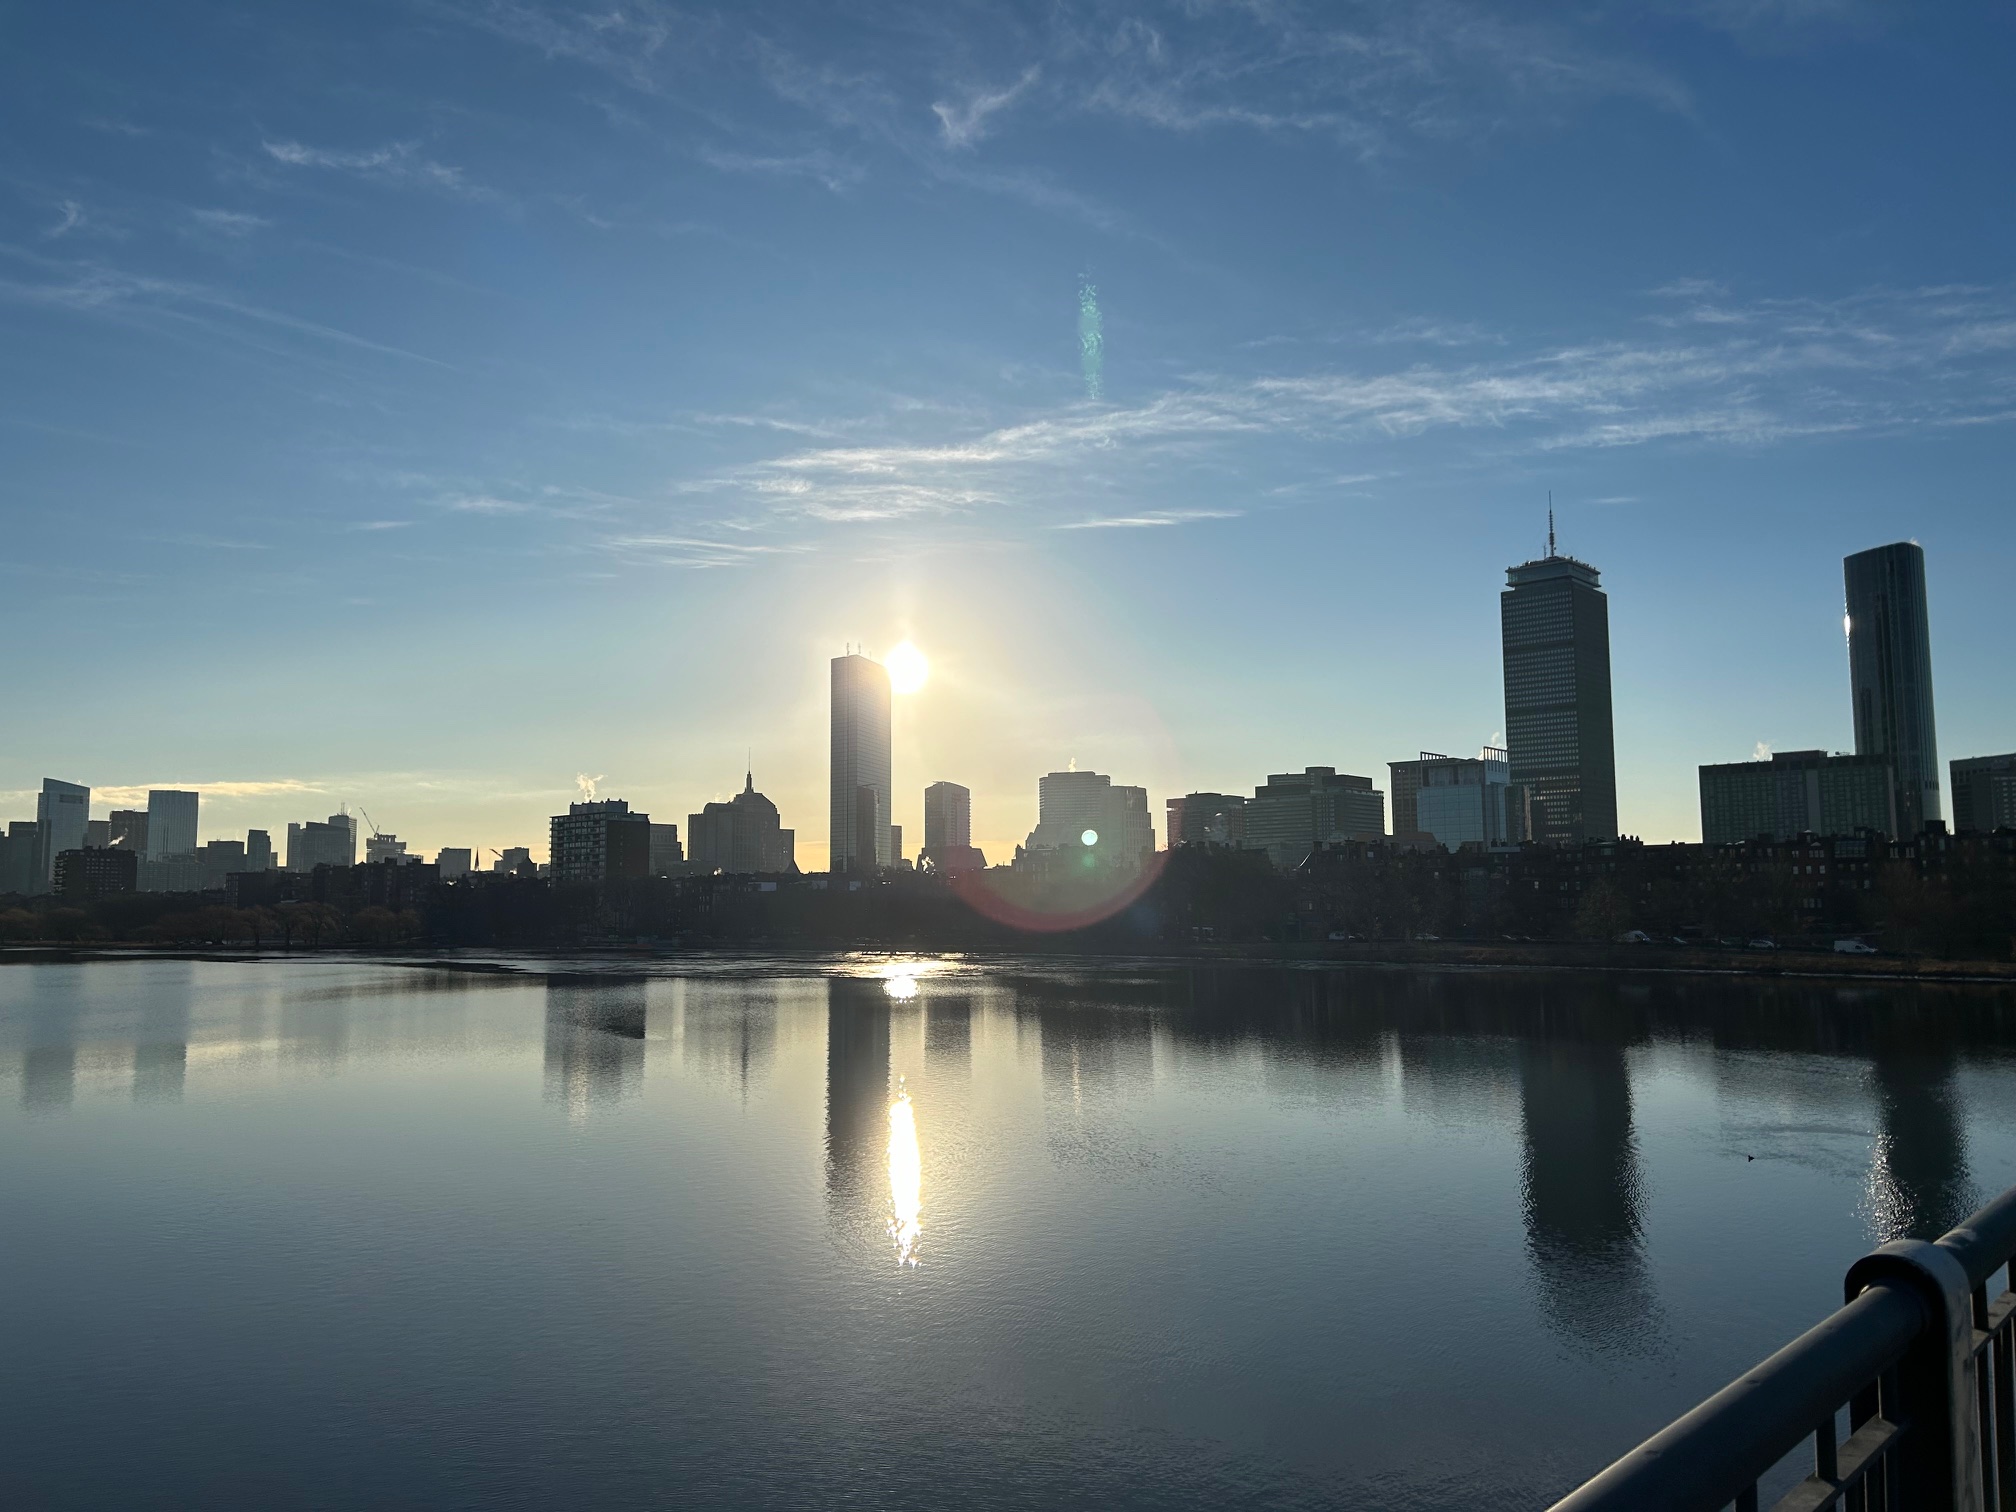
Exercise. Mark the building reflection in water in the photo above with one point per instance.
(1919, 1185)
(1582, 1195)
(161, 1044)
(594, 1040)
(730, 1031)
(857, 1099)
(49, 1059)
(948, 1031)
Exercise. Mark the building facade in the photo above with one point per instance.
(453, 862)
(330, 843)
(1555, 625)
(258, 851)
(96, 872)
(1984, 793)
(171, 824)
(948, 816)
(745, 834)
(861, 798)
(1890, 675)
(1465, 801)
(129, 830)
(1206, 819)
(601, 841)
(1796, 793)
(1294, 812)
(1079, 812)
(668, 856)
(62, 810)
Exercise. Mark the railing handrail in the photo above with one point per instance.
(1715, 1454)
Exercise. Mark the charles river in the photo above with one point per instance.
(904, 1233)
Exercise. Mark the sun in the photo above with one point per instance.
(908, 668)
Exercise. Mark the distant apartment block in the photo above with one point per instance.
(1206, 819)
(96, 872)
(1984, 793)
(600, 841)
(1294, 812)
(1796, 793)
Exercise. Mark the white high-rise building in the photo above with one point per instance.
(860, 811)
(62, 810)
(171, 824)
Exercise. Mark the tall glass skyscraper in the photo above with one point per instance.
(62, 810)
(860, 813)
(1555, 622)
(171, 824)
(1890, 673)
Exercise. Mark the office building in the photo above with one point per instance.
(1796, 793)
(216, 861)
(1555, 622)
(333, 843)
(453, 862)
(385, 847)
(668, 857)
(1207, 819)
(1080, 812)
(171, 824)
(1984, 793)
(20, 850)
(97, 834)
(744, 834)
(129, 830)
(258, 851)
(171, 874)
(601, 841)
(948, 831)
(96, 871)
(1890, 675)
(1463, 801)
(860, 807)
(1293, 812)
(62, 809)
(516, 861)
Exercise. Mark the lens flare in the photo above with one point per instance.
(1090, 837)
(909, 669)
(901, 988)
(906, 1178)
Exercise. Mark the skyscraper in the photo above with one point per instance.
(1556, 627)
(62, 810)
(948, 816)
(1890, 674)
(745, 834)
(171, 824)
(859, 816)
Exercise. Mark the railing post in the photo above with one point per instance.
(1939, 1453)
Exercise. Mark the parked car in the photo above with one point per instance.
(1763, 944)
(1854, 947)
(1634, 937)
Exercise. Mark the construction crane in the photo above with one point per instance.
(375, 831)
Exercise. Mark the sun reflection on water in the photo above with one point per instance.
(906, 1178)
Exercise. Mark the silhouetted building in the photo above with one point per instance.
(1555, 623)
(313, 844)
(668, 856)
(258, 851)
(97, 834)
(19, 852)
(1984, 793)
(1796, 793)
(171, 824)
(514, 860)
(216, 861)
(1206, 819)
(745, 834)
(61, 811)
(1890, 675)
(1081, 812)
(600, 841)
(861, 785)
(948, 830)
(129, 830)
(1466, 800)
(453, 862)
(96, 871)
(1294, 812)
(384, 847)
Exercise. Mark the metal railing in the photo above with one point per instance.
(1920, 1362)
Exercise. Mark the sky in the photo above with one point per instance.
(420, 405)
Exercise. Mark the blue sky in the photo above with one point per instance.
(417, 405)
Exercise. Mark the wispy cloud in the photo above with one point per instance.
(233, 223)
(964, 122)
(694, 551)
(1152, 520)
(70, 217)
(381, 525)
(834, 172)
(136, 793)
(399, 163)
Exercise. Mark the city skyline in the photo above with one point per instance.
(791, 334)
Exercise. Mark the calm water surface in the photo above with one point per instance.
(878, 1234)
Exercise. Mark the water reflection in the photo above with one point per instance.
(906, 1179)
(594, 1040)
(1918, 1186)
(857, 1093)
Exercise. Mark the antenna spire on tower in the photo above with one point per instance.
(1550, 522)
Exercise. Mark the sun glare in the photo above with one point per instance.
(908, 668)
